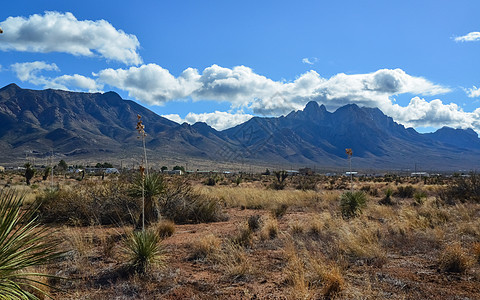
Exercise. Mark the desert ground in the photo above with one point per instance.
(254, 236)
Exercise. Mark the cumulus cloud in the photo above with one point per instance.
(219, 120)
(420, 113)
(28, 72)
(309, 60)
(473, 92)
(244, 89)
(470, 37)
(151, 83)
(62, 32)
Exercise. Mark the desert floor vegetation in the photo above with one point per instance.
(312, 239)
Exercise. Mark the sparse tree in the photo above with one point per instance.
(46, 172)
(29, 172)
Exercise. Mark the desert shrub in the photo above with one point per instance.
(254, 222)
(182, 204)
(165, 228)
(244, 237)
(235, 262)
(306, 183)
(454, 259)
(476, 251)
(297, 228)
(405, 191)
(419, 197)
(387, 199)
(24, 244)
(211, 181)
(352, 203)
(462, 189)
(143, 250)
(269, 229)
(280, 183)
(206, 248)
(89, 203)
(279, 210)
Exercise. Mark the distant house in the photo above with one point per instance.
(292, 172)
(173, 172)
(111, 171)
(420, 174)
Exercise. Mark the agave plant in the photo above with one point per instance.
(24, 244)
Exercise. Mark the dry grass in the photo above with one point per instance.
(206, 248)
(269, 229)
(308, 252)
(454, 259)
(165, 228)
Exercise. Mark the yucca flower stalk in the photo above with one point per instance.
(141, 134)
(350, 153)
(24, 244)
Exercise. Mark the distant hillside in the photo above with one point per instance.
(83, 125)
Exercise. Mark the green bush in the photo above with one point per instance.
(143, 250)
(405, 191)
(183, 205)
(23, 244)
(352, 203)
(99, 203)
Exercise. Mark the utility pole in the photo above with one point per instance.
(350, 153)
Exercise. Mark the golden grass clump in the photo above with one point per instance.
(476, 251)
(165, 228)
(206, 248)
(235, 262)
(454, 259)
(269, 229)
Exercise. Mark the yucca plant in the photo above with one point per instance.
(149, 187)
(143, 250)
(351, 203)
(24, 245)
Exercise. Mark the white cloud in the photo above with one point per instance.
(219, 120)
(470, 37)
(243, 88)
(151, 83)
(28, 72)
(473, 92)
(309, 60)
(62, 32)
(420, 113)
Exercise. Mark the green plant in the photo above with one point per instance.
(419, 197)
(387, 200)
(352, 203)
(405, 191)
(46, 172)
(280, 183)
(150, 187)
(254, 222)
(24, 244)
(181, 204)
(279, 210)
(29, 172)
(143, 250)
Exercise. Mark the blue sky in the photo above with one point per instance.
(223, 61)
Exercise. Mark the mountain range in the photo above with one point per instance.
(102, 126)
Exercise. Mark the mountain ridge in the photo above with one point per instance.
(91, 124)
